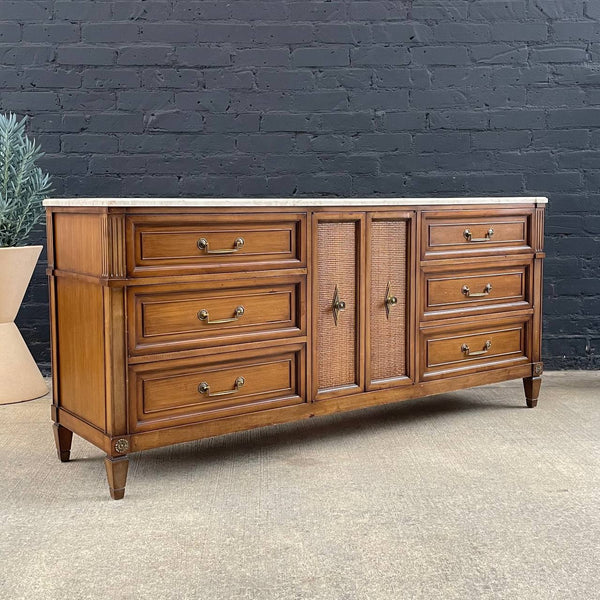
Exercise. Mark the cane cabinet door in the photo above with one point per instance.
(389, 248)
(337, 289)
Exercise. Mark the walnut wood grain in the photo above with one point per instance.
(444, 232)
(170, 244)
(166, 394)
(130, 354)
(80, 345)
(448, 350)
(80, 240)
(167, 318)
(462, 289)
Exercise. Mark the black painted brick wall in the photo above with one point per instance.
(293, 98)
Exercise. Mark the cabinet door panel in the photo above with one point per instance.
(388, 300)
(337, 334)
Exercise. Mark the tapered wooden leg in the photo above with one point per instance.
(63, 438)
(532, 390)
(116, 472)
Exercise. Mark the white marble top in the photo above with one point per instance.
(285, 202)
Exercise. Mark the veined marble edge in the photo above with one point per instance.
(285, 202)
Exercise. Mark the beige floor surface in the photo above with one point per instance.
(467, 495)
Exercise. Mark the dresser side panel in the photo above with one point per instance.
(80, 350)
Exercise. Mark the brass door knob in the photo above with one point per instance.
(390, 300)
(337, 305)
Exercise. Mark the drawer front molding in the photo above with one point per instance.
(188, 391)
(185, 316)
(473, 347)
(468, 233)
(465, 289)
(173, 246)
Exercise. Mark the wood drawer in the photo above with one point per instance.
(452, 291)
(474, 232)
(452, 350)
(181, 316)
(182, 244)
(166, 394)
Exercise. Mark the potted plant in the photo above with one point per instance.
(23, 187)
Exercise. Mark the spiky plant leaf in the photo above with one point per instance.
(23, 185)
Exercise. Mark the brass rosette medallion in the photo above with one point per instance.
(121, 446)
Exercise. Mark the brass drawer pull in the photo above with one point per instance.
(389, 299)
(467, 351)
(204, 388)
(469, 237)
(204, 316)
(337, 306)
(469, 294)
(237, 245)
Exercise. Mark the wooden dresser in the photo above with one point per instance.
(175, 320)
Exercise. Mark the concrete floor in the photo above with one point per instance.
(468, 495)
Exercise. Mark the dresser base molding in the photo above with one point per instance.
(68, 424)
(180, 322)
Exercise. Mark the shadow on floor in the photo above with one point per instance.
(342, 425)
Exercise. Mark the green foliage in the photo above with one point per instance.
(23, 186)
